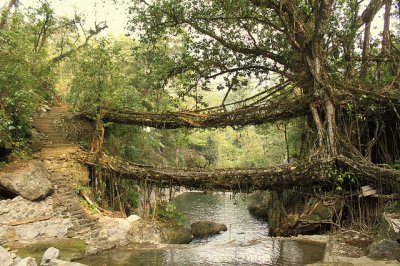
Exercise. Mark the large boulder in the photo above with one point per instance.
(143, 232)
(384, 249)
(111, 233)
(206, 228)
(29, 180)
(176, 235)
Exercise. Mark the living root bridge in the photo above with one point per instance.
(280, 176)
(250, 115)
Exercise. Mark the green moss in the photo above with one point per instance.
(70, 248)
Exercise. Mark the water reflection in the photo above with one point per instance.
(261, 252)
(224, 208)
(245, 242)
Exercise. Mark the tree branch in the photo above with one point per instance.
(237, 48)
(92, 33)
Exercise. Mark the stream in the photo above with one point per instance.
(246, 241)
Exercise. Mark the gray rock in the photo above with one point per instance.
(133, 218)
(5, 257)
(142, 232)
(176, 235)
(30, 181)
(36, 143)
(112, 232)
(384, 249)
(49, 255)
(206, 228)
(64, 263)
(28, 261)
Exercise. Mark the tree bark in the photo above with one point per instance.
(365, 51)
(331, 120)
(318, 124)
(98, 136)
(386, 29)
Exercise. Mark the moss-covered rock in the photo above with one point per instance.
(259, 203)
(176, 235)
(70, 248)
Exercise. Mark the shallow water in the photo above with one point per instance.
(245, 242)
(224, 208)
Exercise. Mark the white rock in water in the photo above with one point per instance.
(5, 257)
(64, 263)
(49, 255)
(133, 218)
(28, 261)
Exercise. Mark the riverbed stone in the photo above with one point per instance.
(176, 234)
(142, 232)
(384, 249)
(57, 262)
(29, 180)
(28, 261)
(49, 255)
(111, 233)
(5, 257)
(206, 228)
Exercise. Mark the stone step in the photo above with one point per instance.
(55, 134)
(41, 128)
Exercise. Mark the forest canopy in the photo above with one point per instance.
(323, 50)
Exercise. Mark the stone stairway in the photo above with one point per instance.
(66, 202)
(63, 171)
(46, 124)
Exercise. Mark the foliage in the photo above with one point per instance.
(132, 195)
(343, 178)
(25, 79)
(396, 164)
(317, 52)
(168, 213)
(99, 79)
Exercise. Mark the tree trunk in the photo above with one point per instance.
(98, 136)
(331, 121)
(386, 27)
(6, 12)
(318, 124)
(287, 144)
(365, 52)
